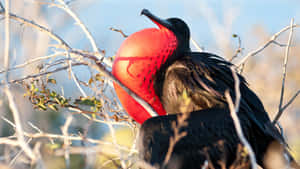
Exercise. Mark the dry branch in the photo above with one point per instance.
(42, 134)
(266, 44)
(234, 108)
(120, 31)
(284, 72)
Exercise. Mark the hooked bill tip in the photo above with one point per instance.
(145, 12)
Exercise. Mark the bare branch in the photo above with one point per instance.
(120, 31)
(73, 76)
(51, 34)
(279, 113)
(67, 142)
(33, 61)
(284, 72)
(233, 112)
(239, 48)
(7, 141)
(266, 44)
(101, 68)
(66, 8)
(42, 74)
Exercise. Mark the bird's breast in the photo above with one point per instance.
(136, 64)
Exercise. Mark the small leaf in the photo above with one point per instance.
(53, 81)
(53, 94)
(53, 107)
(98, 77)
(42, 106)
(53, 146)
(91, 81)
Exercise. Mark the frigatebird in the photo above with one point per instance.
(159, 66)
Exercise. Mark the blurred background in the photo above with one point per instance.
(212, 25)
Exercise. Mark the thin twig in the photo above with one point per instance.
(287, 49)
(114, 138)
(196, 45)
(73, 76)
(8, 141)
(88, 34)
(51, 34)
(42, 74)
(266, 44)
(120, 31)
(33, 61)
(107, 73)
(234, 108)
(67, 142)
(12, 161)
(284, 107)
(239, 48)
(84, 150)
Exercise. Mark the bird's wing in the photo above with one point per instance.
(204, 78)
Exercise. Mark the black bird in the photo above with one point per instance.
(159, 66)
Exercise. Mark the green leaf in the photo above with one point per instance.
(42, 106)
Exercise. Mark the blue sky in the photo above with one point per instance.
(99, 16)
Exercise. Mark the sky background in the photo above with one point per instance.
(207, 20)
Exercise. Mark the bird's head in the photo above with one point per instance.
(177, 26)
(142, 55)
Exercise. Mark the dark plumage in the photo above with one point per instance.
(205, 139)
(204, 78)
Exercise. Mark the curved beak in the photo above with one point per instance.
(161, 23)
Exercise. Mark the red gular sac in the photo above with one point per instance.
(137, 61)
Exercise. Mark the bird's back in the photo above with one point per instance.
(210, 136)
(202, 79)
